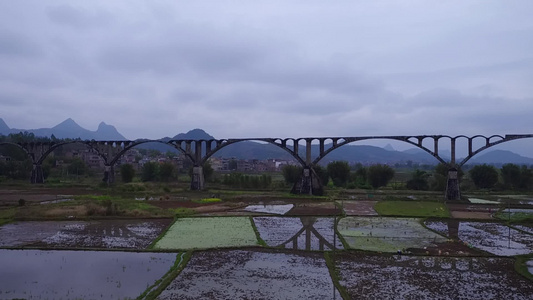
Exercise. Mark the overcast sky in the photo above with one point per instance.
(269, 68)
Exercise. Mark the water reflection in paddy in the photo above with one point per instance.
(494, 238)
(36, 274)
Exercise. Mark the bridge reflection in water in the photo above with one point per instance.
(303, 233)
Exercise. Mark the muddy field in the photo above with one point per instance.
(359, 208)
(252, 274)
(127, 234)
(404, 277)
(36, 195)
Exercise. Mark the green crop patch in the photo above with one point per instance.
(212, 232)
(386, 234)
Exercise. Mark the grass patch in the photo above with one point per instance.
(521, 265)
(412, 209)
(7, 215)
(516, 217)
(260, 241)
(183, 211)
(208, 200)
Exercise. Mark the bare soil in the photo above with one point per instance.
(472, 211)
(360, 208)
(40, 194)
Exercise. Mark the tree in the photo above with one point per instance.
(166, 171)
(291, 173)
(439, 180)
(379, 175)
(232, 165)
(418, 181)
(77, 167)
(127, 172)
(359, 176)
(511, 176)
(339, 172)
(526, 178)
(484, 176)
(322, 174)
(444, 168)
(208, 171)
(150, 171)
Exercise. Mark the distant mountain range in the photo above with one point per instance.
(69, 129)
(254, 150)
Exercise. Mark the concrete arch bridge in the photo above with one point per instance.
(308, 152)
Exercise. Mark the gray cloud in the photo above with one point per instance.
(18, 45)
(310, 68)
(77, 17)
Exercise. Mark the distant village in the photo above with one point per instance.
(137, 158)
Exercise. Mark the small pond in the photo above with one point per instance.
(36, 274)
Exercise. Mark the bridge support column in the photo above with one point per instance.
(37, 174)
(453, 229)
(452, 187)
(109, 174)
(197, 179)
(309, 183)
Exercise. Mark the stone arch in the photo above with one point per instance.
(18, 146)
(339, 142)
(281, 143)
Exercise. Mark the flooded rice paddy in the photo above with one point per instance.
(303, 233)
(276, 209)
(386, 234)
(404, 277)
(36, 274)
(130, 234)
(494, 238)
(286, 272)
(246, 274)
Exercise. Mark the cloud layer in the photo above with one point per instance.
(269, 69)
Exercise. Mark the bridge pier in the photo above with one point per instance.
(452, 187)
(109, 174)
(37, 174)
(197, 179)
(309, 183)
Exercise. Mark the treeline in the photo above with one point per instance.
(340, 174)
(508, 177)
(239, 180)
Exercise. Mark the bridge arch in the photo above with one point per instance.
(281, 143)
(19, 147)
(339, 142)
(128, 145)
